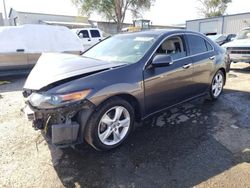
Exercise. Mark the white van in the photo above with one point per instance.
(88, 36)
(239, 49)
(21, 46)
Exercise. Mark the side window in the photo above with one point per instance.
(209, 47)
(197, 44)
(229, 38)
(83, 34)
(173, 46)
(95, 33)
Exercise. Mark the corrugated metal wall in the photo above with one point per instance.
(210, 26)
(192, 25)
(225, 24)
(233, 24)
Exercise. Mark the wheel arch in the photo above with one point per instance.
(224, 72)
(131, 100)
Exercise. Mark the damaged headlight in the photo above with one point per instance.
(44, 101)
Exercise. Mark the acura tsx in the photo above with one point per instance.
(124, 79)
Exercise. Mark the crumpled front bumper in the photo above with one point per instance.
(63, 126)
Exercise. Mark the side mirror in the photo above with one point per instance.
(162, 61)
(232, 38)
(80, 35)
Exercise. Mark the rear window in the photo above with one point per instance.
(209, 47)
(95, 33)
(198, 45)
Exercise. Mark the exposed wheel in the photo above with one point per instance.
(217, 85)
(110, 124)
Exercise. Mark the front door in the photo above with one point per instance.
(95, 36)
(166, 86)
(85, 37)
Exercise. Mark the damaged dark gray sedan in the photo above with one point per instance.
(98, 96)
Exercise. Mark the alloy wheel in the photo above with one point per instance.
(217, 84)
(114, 125)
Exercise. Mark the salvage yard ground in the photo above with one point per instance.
(199, 144)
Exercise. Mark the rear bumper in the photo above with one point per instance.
(63, 126)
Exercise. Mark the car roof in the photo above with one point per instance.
(160, 32)
(86, 28)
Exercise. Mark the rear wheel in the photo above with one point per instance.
(110, 124)
(217, 85)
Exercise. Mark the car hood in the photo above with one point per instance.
(53, 67)
(238, 43)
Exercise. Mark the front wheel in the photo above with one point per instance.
(110, 124)
(217, 85)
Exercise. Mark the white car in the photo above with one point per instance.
(88, 36)
(239, 49)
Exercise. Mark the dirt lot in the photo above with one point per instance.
(201, 144)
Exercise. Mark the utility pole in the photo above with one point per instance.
(4, 8)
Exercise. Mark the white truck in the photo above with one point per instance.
(239, 49)
(88, 36)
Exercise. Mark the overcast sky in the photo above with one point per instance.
(163, 12)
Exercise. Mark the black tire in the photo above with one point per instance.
(211, 94)
(91, 129)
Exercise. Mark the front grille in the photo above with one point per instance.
(239, 50)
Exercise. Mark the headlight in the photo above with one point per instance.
(52, 101)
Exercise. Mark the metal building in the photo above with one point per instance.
(20, 18)
(227, 24)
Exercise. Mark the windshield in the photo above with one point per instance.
(245, 34)
(127, 48)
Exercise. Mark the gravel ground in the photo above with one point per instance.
(201, 144)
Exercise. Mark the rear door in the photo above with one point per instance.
(95, 36)
(203, 57)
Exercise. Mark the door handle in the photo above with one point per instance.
(212, 58)
(186, 66)
(19, 50)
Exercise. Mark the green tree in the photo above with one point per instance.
(114, 10)
(211, 8)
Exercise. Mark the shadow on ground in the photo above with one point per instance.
(160, 153)
(12, 83)
(245, 70)
(168, 157)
